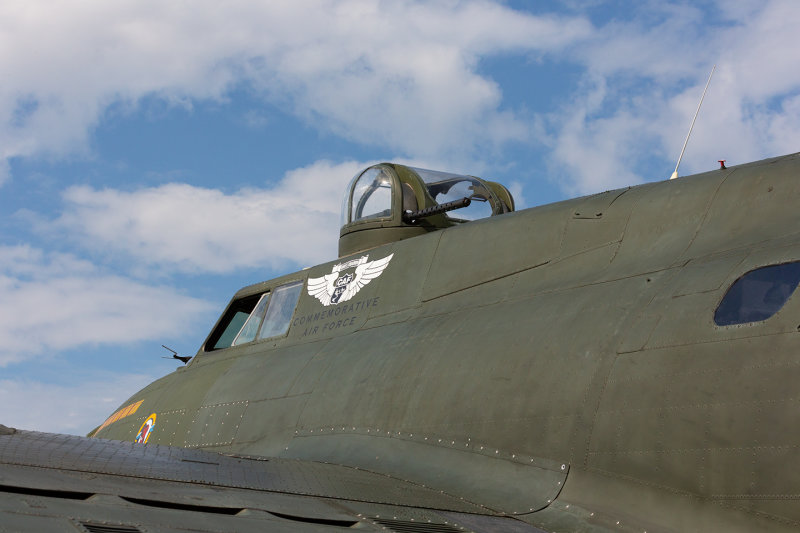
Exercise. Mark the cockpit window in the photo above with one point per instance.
(280, 311)
(231, 323)
(372, 195)
(250, 328)
(256, 317)
(758, 295)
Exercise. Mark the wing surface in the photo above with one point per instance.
(51, 482)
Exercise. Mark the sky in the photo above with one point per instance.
(157, 156)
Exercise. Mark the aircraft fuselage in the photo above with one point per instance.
(560, 363)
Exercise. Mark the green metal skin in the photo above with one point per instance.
(558, 364)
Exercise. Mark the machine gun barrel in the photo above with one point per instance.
(413, 216)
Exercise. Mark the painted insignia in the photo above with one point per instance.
(119, 415)
(144, 432)
(337, 287)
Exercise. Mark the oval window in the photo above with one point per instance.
(758, 295)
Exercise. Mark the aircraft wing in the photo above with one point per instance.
(52, 482)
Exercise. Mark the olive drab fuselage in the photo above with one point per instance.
(560, 363)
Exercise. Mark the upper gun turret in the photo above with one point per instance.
(390, 202)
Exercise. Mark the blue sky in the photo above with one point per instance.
(155, 157)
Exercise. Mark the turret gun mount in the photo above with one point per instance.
(389, 202)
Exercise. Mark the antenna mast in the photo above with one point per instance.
(675, 173)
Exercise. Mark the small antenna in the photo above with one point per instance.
(184, 359)
(675, 174)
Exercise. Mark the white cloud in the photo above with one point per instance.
(406, 75)
(194, 229)
(52, 302)
(643, 83)
(596, 152)
(76, 408)
(400, 74)
(750, 111)
(5, 171)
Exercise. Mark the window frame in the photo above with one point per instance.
(250, 301)
(221, 327)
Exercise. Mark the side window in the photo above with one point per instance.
(281, 309)
(231, 323)
(256, 317)
(758, 295)
(456, 189)
(250, 328)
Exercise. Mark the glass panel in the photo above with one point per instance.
(435, 176)
(231, 322)
(281, 309)
(464, 188)
(248, 332)
(758, 295)
(345, 213)
(372, 195)
(445, 187)
(236, 323)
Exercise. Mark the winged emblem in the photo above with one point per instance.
(336, 287)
